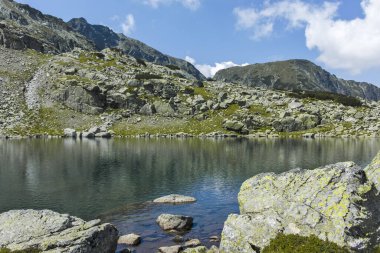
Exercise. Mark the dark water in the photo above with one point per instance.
(115, 179)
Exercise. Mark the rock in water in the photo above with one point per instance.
(130, 239)
(53, 232)
(68, 132)
(175, 223)
(175, 199)
(336, 203)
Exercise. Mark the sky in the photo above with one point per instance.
(341, 36)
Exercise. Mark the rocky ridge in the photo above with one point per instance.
(104, 37)
(23, 27)
(296, 75)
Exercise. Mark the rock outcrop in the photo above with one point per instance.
(22, 27)
(296, 75)
(49, 231)
(338, 202)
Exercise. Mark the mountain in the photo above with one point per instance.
(24, 27)
(104, 37)
(296, 75)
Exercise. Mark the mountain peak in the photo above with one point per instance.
(296, 74)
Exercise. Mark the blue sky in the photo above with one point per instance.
(341, 36)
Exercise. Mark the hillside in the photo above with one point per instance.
(296, 75)
(104, 37)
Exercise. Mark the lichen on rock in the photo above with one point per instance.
(337, 203)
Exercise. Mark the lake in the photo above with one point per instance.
(115, 179)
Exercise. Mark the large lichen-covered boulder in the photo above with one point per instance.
(49, 231)
(373, 172)
(336, 203)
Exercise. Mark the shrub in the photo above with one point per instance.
(173, 67)
(323, 95)
(300, 244)
(145, 76)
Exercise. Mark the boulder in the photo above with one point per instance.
(288, 124)
(295, 105)
(373, 172)
(130, 239)
(148, 109)
(49, 231)
(337, 203)
(68, 132)
(175, 223)
(200, 249)
(192, 243)
(170, 249)
(233, 125)
(175, 199)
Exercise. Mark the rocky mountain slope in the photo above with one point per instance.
(104, 37)
(296, 75)
(23, 27)
(44, 94)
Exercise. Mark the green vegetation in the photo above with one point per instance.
(259, 110)
(347, 124)
(323, 95)
(203, 92)
(172, 67)
(147, 76)
(5, 250)
(300, 244)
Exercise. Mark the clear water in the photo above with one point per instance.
(115, 179)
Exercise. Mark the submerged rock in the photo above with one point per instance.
(336, 203)
(49, 231)
(175, 199)
(175, 223)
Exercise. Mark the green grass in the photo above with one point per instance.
(4, 250)
(259, 110)
(203, 92)
(300, 244)
(214, 123)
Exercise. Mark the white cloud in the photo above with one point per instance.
(209, 70)
(129, 24)
(352, 45)
(190, 4)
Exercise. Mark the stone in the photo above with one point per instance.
(170, 249)
(295, 105)
(337, 203)
(103, 135)
(175, 199)
(288, 124)
(88, 135)
(214, 238)
(192, 243)
(200, 249)
(373, 172)
(49, 231)
(174, 223)
(68, 132)
(148, 109)
(233, 125)
(130, 239)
